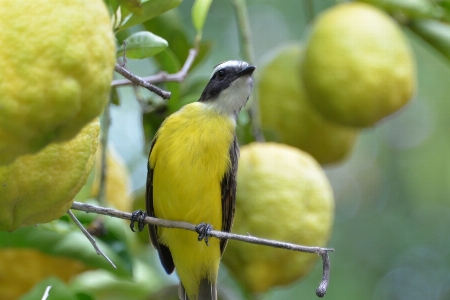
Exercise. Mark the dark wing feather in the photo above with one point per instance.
(228, 186)
(164, 253)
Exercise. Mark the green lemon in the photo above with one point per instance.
(40, 188)
(282, 194)
(358, 67)
(288, 117)
(57, 60)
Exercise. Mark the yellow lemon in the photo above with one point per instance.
(117, 181)
(57, 60)
(21, 269)
(288, 117)
(40, 188)
(358, 67)
(282, 194)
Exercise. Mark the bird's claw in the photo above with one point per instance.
(139, 217)
(204, 232)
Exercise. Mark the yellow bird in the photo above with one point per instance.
(192, 177)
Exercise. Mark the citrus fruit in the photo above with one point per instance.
(117, 181)
(358, 67)
(282, 194)
(57, 60)
(288, 117)
(40, 188)
(21, 269)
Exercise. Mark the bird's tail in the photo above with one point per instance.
(206, 291)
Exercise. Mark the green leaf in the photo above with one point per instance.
(56, 238)
(169, 62)
(436, 33)
(112, 5)
(58, 291)
(142, 44)
(169, 26)
(149, 10)
(131, 5)
(203, 51)
(199, 12)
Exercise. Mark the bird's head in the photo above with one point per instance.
(229, 87)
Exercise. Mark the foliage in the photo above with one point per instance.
(392, 195)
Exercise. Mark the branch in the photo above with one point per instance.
(242, 18)
(323, 252)
(163, 76)
(139, 81)
(90, 238)
(46, 293)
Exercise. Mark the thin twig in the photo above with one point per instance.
(323, 252)
(90, 238)
(139, 81)
(124, 58)
(163, 76)
(106, 122)
(322, 289)
(46, 293)
(241, 12)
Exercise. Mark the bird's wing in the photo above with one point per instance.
(228, 186)
(163, 251)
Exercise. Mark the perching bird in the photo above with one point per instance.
(192, 177)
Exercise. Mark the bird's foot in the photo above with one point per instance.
(139, 217)
(204, 232)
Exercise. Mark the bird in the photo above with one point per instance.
(191, 177)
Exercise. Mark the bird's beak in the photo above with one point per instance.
(247, 71)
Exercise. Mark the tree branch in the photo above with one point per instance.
(139, 81)
(163, 76)
(323, 252)
(90, 238)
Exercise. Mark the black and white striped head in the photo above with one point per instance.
(229, 87)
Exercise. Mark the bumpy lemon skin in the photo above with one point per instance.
(282, 194)
(358, 66)
(288, 117)
(40, 188)
(57, 60)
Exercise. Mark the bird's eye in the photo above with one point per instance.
(221, 74)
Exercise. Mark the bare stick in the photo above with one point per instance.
(139, 81)
(323, 252)
(322, 289)
(90, 238)
(46, 293)
(163, 76)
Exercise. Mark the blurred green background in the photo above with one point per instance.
(392, 225)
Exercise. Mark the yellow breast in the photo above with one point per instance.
(190, 158)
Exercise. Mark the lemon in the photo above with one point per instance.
(39, 188)
(358, 67)
(288, 117)
(57, 60)
(21, 269)
(282, 194)
(117, 181)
